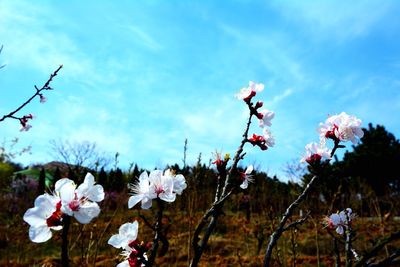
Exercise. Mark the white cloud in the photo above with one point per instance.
(336, 20)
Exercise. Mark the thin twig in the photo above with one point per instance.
(373, 251)
(288, 213)
(216, 208)
(46, 86)
(297, 222)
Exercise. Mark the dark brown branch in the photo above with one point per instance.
(379, 245)
(216, 208)
(392, 260)
(297, 222)
(288, 213)
(46, 86)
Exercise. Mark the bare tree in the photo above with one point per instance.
(79, 156)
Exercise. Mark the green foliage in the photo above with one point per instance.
(376, 161)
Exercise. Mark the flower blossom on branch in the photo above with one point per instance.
(157, 184)
(263, 141)
(24, 122)
(80, 202)
(315, 153)
(340, 221)
(44, 217)
(342, 127)
(39, 92)
(265, 117)
(246, 177)
(247, 93)
(133, 251)
(49, 211)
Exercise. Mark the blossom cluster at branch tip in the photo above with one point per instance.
(43, 99)
(24, 122)
(262, 141)
(315, 153)
(246, 177)
(264, 116)
(247, 93)
(67, 200)
(342, 127)
(339, 128)
(157, 184)
(133, 251)
(340, 221)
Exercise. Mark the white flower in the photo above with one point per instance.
(342, 127)
(179, 181)
(341, 220)
(126, 234)
(142, 192)
(80, 202)
(317, 152)
(162, 185)
(44, 217)
(268, 137)
(156, 185)
(247, 93)
(265, 117)
(246, 177)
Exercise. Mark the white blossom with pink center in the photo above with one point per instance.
(126, 234)
(340, 221)
(316, 151)
(157, 184)
(247, 93)
(80, 202)
(44, 217)
(269, 138)
(342, 127)
(265, 118)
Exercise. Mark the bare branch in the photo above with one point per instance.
(38, 92)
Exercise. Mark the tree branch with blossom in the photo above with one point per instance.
(339, 128)
(226, 176)
(39, 92)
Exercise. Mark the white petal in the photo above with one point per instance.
(179, 184)
(117, 241)
(129, 230)
(96, 193)
(87, 212)
(133, 200)
(66, 190)
(35, 217)
(123, 264)
(249, 169)
(146, 203)
(339, 230)
(335, 219)
(168, 197)
(39, 234)
(245, 184)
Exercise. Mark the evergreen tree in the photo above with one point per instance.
(103, 179)
(375, 161)
(42, 182)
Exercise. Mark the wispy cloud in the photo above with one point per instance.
(335, 20)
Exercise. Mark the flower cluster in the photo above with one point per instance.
(159, 185)
(67, 200)
(339, 128)
(340, 221)
(24, 122)
(133, 251)
(264, 116)
(342, 127)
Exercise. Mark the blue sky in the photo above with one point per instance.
(141, 76)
